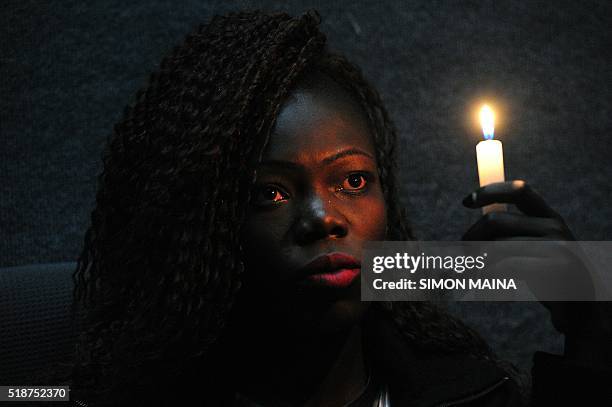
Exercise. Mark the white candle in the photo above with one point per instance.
(490, 157)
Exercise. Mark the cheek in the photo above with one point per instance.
(369, 218)
(262, 236)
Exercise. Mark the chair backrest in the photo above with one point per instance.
(36, 329)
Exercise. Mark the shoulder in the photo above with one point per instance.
(422, 376)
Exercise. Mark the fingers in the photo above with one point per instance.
(516, 192)
(506, 226)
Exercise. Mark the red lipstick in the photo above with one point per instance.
(336, 270)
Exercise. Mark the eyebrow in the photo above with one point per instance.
(326, 161)
(345, 153)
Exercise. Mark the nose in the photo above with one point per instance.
(319, 220)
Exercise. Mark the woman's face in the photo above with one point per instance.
(316, 201)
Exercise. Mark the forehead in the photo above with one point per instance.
(319, 117)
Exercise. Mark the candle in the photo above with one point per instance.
(490, 157)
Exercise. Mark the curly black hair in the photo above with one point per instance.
(161, 265)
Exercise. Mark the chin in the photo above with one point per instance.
(343, 315)
(329, 310)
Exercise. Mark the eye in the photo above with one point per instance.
(268, 195)
(354, 182)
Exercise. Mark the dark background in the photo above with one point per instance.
(68, 68)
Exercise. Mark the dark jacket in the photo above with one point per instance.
(418, 378)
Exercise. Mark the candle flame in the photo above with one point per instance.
(487, 120)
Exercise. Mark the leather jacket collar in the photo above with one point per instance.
(424, 378)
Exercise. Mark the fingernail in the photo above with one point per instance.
(470, 199)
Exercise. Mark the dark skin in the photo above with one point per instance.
(586, 325)
(317, 191)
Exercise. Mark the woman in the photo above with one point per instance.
(221, 265)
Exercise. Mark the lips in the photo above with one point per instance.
(334, 270)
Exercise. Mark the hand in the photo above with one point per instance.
(584, 323)
(538, 221)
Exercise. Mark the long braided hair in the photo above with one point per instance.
(161, 264)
